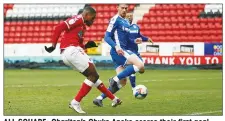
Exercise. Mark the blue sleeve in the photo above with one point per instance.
(132, 39)
(109, 32)
(109, 40)
(144, 38)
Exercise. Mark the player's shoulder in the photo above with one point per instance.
(134, 25)
(114, 19)
(77, 17)
(74, 18)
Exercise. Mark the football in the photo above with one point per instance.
(140, 92)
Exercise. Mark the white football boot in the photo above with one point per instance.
(76, 106)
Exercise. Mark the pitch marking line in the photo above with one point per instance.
(176, 79)
(64, 85)
(201, 113)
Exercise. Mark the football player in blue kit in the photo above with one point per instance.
(135, 38)
(117, 37)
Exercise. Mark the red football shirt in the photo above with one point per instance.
(73, 36)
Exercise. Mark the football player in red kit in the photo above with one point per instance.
(73, 55)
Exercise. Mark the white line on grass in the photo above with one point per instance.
(46, 85)
(64, 85)
(202, 113)
(175, 79)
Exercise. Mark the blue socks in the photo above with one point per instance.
(132, 79)
(131, 69)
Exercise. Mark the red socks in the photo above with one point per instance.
(103, 89)
(85, 88)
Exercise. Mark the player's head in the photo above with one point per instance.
(129, 17)
(89, 14)
(80, 11)
(122, 10)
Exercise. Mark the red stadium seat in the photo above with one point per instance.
(190, 32)
(6, 35)
(218, 26)
(211, 20)
(174, 20)
(175, 26)
(179, 7)
(151, 14)
(218, 20)
(158, 7)
(6, 29)
(168, 26)
(18, 28)
(169, 32)
(198, 32)
(25, 23)
(195, 20)
(145, 20)
(196, 26)
(12, 29)
(194, 6)
(159, 20)
(172, 7)
(23, 34)
(151, 21)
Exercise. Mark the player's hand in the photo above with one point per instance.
(150, 40)
(90, 44)
(119, 50)
(138, 41)
(49, 49)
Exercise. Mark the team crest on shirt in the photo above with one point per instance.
(72, 21)
(80, 34)
(125, 29)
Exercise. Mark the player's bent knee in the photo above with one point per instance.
(142, 70)
(141, 67)
(123, 82)
(93, 77)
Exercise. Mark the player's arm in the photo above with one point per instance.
(109, 40)
(144, 38)
(57, 32)
(65, 25)
(109, 33)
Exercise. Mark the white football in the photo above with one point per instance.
(140, 92)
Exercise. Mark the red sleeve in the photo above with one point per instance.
(57, 32)
(74, 21)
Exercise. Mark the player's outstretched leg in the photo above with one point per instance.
(100, 86)
(132, 79)
(115, 81)
(99, 100)
(137, 66)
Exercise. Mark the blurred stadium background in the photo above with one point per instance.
(192, 30)
(186, 36)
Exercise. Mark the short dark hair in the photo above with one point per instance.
(80, 11)
(90, 10)
(122, 3)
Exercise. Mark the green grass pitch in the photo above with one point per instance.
(171, 92)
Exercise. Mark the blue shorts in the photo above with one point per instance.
(120, 60)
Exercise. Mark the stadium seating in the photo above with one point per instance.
(34, 23)
(184, 22)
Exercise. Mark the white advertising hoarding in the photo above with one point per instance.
(166, 49)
